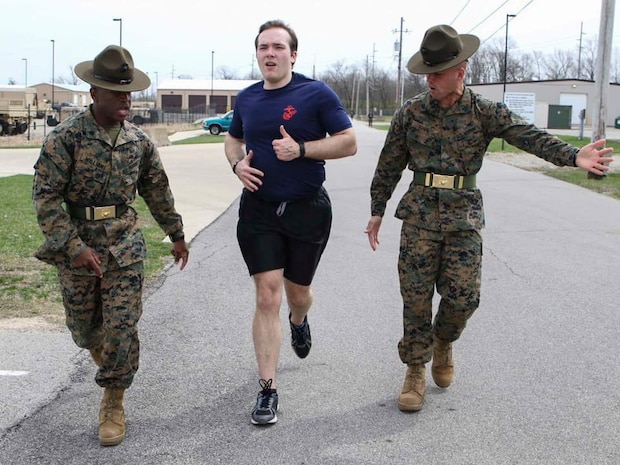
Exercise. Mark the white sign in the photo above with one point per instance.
(523, 104)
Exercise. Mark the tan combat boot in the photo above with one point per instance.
(112, 417)
(95, 353)
(412, 395)
(443, 366)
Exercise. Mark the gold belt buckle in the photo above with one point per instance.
(442, 181)
(102, 213)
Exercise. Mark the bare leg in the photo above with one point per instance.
(266, 328)
(299, 300)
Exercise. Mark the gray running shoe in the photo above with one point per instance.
(265, 412)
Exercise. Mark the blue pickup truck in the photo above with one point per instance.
(218, 124)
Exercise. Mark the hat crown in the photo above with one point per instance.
(114, 64)
(440, 44)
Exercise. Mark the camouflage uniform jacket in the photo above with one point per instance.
(78, 164)
(425, 137)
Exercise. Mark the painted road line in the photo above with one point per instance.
(12, 373)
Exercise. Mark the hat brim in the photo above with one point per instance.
(84, 71)
(416, 63)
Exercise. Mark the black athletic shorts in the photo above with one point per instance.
(284, 235)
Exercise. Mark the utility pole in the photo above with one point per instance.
(357, 95)
(120, 37)
(400, 82)
(367, 89)
(353, 94)
(601, 73)
(53, 77)
(506, 64)
(579, 54)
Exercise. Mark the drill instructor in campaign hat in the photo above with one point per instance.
(439, 139)
(88, 173)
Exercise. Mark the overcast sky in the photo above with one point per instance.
(173, 38)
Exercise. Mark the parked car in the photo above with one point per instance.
(218, 124)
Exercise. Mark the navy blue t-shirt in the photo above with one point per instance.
(308, 110)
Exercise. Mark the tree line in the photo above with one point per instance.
(486, 66)
(362, 89)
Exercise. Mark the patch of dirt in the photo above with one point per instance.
(30, 325)
(524, 161)
(54, 319)
(531, 162)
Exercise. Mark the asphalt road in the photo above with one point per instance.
(536, 369)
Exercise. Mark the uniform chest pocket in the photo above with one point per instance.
(130, 171)
(86, 185)
(421, 135)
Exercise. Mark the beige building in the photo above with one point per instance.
(76, 95)
(558, 102)
(199, 95)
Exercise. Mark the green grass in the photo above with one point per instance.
(202, 139)
(496, 144)
(29, 287)
(608, 185)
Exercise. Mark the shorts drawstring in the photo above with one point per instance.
(281, 208)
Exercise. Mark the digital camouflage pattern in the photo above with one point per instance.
(451, 262)
(79, 164)
(425, 137)
(440, 241)
(105, 312)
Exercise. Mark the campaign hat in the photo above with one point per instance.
(113, 69)
(442, 48)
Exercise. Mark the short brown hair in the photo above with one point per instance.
(281, 24)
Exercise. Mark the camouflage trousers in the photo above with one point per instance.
(106, 312)
(449, 262)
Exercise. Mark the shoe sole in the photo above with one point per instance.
(112, 441)
(264, 423)
(436, 379)
(302, 356)
(409, 408)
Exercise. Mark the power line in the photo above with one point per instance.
(502, 26)
(459, 13)
(481, 22)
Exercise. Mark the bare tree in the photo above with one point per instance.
(74, 79)
(538, 64)
(414, 84)
(487, 64)
(588, 59)
(528, 66)
(561, 64)
(383, 88)
(341, 78)
(224, 72)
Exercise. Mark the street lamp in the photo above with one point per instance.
(53, 77)
(25, 92)
(211, 98)
(120, 20)
(26, 73)
(156, 88)
(506, 63)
